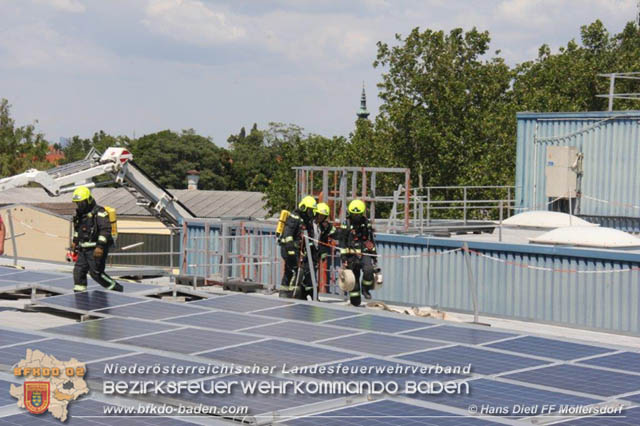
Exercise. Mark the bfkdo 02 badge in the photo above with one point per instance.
(36, 396)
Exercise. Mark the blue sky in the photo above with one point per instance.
(140, 66)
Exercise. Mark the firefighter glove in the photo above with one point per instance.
(98, 252)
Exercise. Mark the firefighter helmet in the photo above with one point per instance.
(356, 207)
(307, 203)
(81, 193)
(323, 209)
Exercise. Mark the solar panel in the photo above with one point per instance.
(450, 333)
(626, 361)
(125, 368)
(482, 361)
(61, 349)
(275, 353)
(257, 403)
(370, 369)
(5, 397)
(240, 303)
(189, 340)
(380, 323)
(221, 320)
(90, 412)
(381, 344)
(110, 328)
(4, 270)
(549, 348)
(386, 412)
(304, 312)
(509, 398)
(8, 337)
(152, 309)
(89, 300)
(632, 398)
(581, 379)
(628, 417)
(30, 276)
(302, 331)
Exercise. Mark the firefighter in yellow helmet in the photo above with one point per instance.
(358, 250)
(326, 229)
(91, 241)
(296, 281)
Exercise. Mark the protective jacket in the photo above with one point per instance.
(92, 228)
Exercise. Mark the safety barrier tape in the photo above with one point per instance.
(610, 202)
(546, 269)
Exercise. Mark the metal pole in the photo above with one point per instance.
(472, 282)
(428, 206)
(225, 255)
(612, 89)
(407, 195)
(464, 205)
(500, 228)
(13, 238)
(171, 277)
(312, 269)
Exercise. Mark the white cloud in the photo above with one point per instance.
(191, 21)
(74, 6)
(37, 45)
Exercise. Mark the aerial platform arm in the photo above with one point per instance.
(116, 162)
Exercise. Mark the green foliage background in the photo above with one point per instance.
(448, 113)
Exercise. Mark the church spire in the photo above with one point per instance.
(362, 112)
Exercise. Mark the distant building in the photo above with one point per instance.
(362, 112)
(54, 156)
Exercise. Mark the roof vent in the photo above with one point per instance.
(580, 236)
(545, 220)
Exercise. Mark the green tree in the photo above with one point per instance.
(252, 160)
(21, 148)
(448, 113)
(167, 156)
(78, 148)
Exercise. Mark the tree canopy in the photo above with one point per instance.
(448, 113)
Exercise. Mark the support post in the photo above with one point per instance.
(472, 284)
(13, 238)
(312, 269)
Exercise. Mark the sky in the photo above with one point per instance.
(133, 67)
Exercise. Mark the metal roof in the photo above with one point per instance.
(210, 204)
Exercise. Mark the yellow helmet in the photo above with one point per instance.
(80, 194)
(307, 203)
(323, 209)
(356, 207)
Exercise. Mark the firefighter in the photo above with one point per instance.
(326, 230)
(91, 241)
(293, 251)
(358, 250)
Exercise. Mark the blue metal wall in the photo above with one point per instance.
(418, 273)
(610, 142)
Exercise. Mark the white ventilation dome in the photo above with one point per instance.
(588, 237)
(546, 220)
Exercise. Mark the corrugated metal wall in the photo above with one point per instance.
(511, 284)
(610, 143)
(423, 271)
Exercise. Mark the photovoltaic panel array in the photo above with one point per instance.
(304, 312)
(549, 348)
(274, 352)
(8, 337)
(625, 361)
(90, 300)
(240, 303)
(229, 321)
(109, 329)
(386, 412)
(90, 412)
(61, 349)
(628, 417)
(189, 341)
(449, 333)
(580, 379)
(509, 399)
(5, 397)
(381, 323)
(305, 332)
(482, 361)
(152, 309)
(381, 344)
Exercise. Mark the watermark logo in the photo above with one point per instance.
(36, 396)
